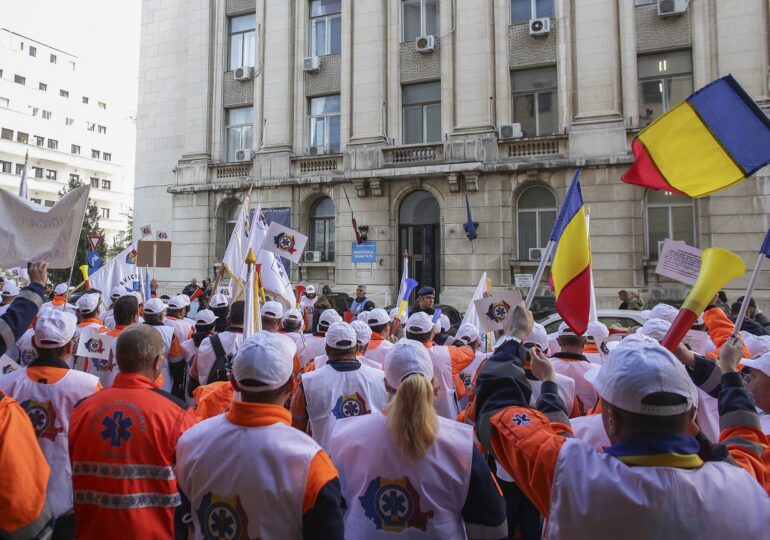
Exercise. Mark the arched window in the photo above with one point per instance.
(668, 216)
(535, 216)
(322, 228)
(419, 208)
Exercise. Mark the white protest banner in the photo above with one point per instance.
(120, 270)
(679, 261)
(696, 340)
(7, 365)
(284, 242)
(93, 344)
(494, 310)
(35, 233)
(523, 281)
(163, 236)
(471, 317)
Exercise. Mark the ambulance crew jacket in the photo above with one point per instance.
(635, 478)
(24, 512)
(123, 446)
(174, 355)
(87, 325)
(48, 391)
(448, 362)
(106, 368)
(183, 328)
(377, 348)
(272, 482)
(17, 318)
(231, 341)
(447, 493)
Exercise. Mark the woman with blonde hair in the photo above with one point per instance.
(408, 473)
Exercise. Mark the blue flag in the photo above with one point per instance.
(470, 226)
(766, 245)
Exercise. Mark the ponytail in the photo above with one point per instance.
(412, 419)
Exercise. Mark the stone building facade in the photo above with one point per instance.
(409, 128)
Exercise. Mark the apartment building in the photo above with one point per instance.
(52, 111)
(409, 107)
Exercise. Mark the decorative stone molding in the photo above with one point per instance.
(375, 187)
(360, 186)
(471, 182)
(454, 182)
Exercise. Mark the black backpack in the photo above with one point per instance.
(223, 365)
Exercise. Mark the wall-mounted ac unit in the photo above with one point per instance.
(540, 27)
(244, 73)
(667, 8)
(320, 150)
(313, 256)
(244, 154)
(311, 63)
(510, 131)
(535, 254)
(425, 44)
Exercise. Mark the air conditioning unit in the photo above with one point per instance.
(244, 154)
(244, 73)
(511, 131)
(540, 27)
(425, 44)
(667, 8)
(535, 254)
(320, 150)
(313, 256)
(311, 63)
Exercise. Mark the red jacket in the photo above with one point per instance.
(123, 447)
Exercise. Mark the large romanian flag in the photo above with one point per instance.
(715, 138)
(571, 268)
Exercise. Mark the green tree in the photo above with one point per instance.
(123, 238)
(90, 227)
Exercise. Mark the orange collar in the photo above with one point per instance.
(92, 320)
(58, 300)
(257, 414)
(428, 344)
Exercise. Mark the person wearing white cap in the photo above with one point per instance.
(428, 462)
(59, 300)
(125, 313)
(205, 321)
(173, 368)
(271, 313)
(469, 334)
(571, 361)
(273, 481)
(316, 344)
(88, 307)
(448, 363)
(342, 388)
(595, 333)
(48, 390)
(9, 293)
(647, 409)
(363, 337)
(216, 352)
(758, 383)
(106, 315)
(291, 326)
(176, 317)
(17, 318)
(220, 305)
(442, 336)
(378, 346)
(306, 305)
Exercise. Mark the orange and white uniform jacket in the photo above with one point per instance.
(448, 362)
(123, 448)
(106, 369)
(183, 328)
(94, 324)
(24, 512)
(575, 367)
(720, 327)
(315, 345)
(272, 482)
(378, 348)
(213, 399)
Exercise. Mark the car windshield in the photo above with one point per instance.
(624, 322)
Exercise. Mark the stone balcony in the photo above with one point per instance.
(230, 171)
(414, 154)
(316, 165)
(516, 149)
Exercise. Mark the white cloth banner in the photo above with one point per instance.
(32, 232)
(120, 270)
(236, 250)
(284, 242)
(471, 316)
(274, 279)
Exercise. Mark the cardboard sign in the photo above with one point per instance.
(153, 254)
(679, 261)
(163, 236)
(523, 281)
(494, 310)
(93, 344)
(696, 340)
(146, 230)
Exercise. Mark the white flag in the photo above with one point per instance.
(120, 270)
(23, 186)
(235, 254)
(32, 232)
(284, 242)
(471, 316)
(275, 281)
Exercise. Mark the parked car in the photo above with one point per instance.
(73, 298)
(455, 317)
(543, 306)
(622, 318)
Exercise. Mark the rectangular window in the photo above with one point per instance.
(85, 100)
(419, 18)
(324, 126)
(643, 2)
(6, 166)
(52, 59)
(102, 105)
(37, 172)
(6, 134)
(19, 168)
(665, 79)
(90, 126)
(39, 141)
(32, 51)
(73, 65)
(46, 115)
(35, 110)
(325, 27)
(534, 101)
(22, 137)
(240, 123)
(75, 149)
(50, 174)
(107, 156)
(37, 201)
(50, 204)
(95, 154)
(102, 129)
(106, 184)
(524, 10)
(94, 182)
(4, 103)
(106, 213)
(242, 40)
(53, 144)
(18, 79)
(42, 87)
(64, 93)
(422, 112)
(69, 121)
(74, 178)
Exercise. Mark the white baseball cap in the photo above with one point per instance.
(378, 316)
(218, 300)
(633, 370)
(205, 316)
(654, 328)
(761, 363)
(362, 330)
(468, 333)
(138, 296)
(405, 358)
(758, 345)
(538, 336)
(292, 314)
(329, 317)
(154, 306)
(310, 289)
(117, 292)
(272, 310)
(179, 301)
(444, 321)
(597, 331)
(394, 312)
(363, 316)
(264, 362)
(661, 311)
(61, 288)
(565, 330)
(87, 302)
(10, 289)
(419, 323)
(54, 328)
(341, 335)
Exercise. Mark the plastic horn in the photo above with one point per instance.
(718, 268)
(409, 285)
(84, 271)
(300, 290)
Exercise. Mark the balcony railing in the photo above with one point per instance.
(315, 165)
(413, 154)
(227, 171)
(536, 146)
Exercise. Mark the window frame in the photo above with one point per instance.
(74, 177)
(538, 211)
(230, 152)
(423, 18)
(64, 93)
(329, 223)
(21, 135)
(106, 156)
(241, 34)
(39, 141)
(75, 149)
(679, 202)
(51, 174)
(532, 12)
(94, 181)
(37, 172)
(20, 79)
(53, 144)
(43, 87)
(536, 92)
(6, 131)
(6, 165)
(69, 122)
(327, 18)
(334, 148)
(52, 59)
(105, 213)
(95, 154)
(423, 105)
(46, 115)
(665, 80)
(32, 51)
(106, 184)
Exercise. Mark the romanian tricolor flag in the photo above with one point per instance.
(715, 138)
(571, 268)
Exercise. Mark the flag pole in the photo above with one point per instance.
(747, 297)
(539, 273)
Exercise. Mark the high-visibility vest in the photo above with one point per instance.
(49, 407)
(333, 395)
(392, 493)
